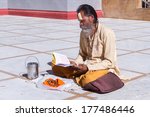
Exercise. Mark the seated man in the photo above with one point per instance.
(97, 53)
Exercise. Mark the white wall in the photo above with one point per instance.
(53, 5)
(74, 4)
(3, 4)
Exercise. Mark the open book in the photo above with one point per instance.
(60, 59)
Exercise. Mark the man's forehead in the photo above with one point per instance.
(80, 16)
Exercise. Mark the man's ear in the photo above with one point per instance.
(91, 18)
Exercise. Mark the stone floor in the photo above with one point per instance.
(21, 37)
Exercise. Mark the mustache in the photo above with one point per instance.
(85, 27)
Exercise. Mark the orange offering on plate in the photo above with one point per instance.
(53, 83)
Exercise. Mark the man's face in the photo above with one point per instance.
(85, 21)
(86, 24)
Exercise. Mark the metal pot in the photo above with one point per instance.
(32, 69)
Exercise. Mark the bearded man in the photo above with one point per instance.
(97, 52)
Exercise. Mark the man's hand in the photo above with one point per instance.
(73, 63)
(82, 68)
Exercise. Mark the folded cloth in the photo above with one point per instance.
(90, 76)
(55, 83)
(105, 84)
(67, 72)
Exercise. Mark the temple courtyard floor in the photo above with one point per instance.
(22, 37)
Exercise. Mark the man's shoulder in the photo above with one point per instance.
(104, 30)
(104, 27)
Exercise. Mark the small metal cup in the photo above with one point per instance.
(32, 68)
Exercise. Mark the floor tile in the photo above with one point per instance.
(66, 28)
(129, 75)
(16, 27)
(130, 34)
(34, 31)
(132, 45)
(20, 39)
(145, 51)
(145, 24)
(69, 28)
(1, 45)
(72, 39)
(122, 52)
(59, 35)
(131, 91)
(64, 22)
(6, 51)
(17, 65)
(18, 89)
(7, 34)
(146, 38)
(143, 30)
(48, 45)
(125, 27)
(49, 25)
(4, 76)
(3, 24)
(135, 62)
(46, 25)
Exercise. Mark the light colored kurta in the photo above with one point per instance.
(99, 51)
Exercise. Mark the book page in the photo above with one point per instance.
(61, 59)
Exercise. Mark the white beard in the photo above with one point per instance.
(87, 32)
